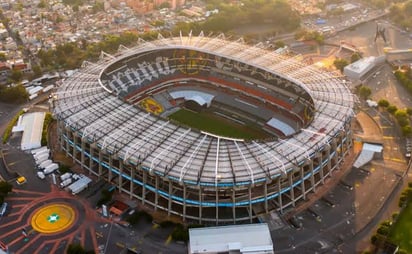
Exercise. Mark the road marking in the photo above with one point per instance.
(168, 240)
(397, 160)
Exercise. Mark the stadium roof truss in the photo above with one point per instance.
(182, 154)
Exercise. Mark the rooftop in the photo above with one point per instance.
(251, 238)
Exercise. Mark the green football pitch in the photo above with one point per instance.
(209, 122)
(401, 233)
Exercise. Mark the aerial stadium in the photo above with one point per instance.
(137, 119)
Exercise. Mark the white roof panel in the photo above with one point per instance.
(250, 237)
(33, 127)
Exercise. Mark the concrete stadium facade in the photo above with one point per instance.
(199, 176)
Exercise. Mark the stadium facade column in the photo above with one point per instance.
(312, 176)
(234, 206)
(67, 140)
(329, 163)
(322, 180)
(109, 177)
(169, 205)
(74, 146)
(144, 172)
(184, 202)
(200, 204)
(120, 181)
(266, 196)
(337, 156)
(60, 127)
(100, 164)
(292, 190)
(302, 176)
(217, 206)
(83, 146)
(250, 204)
(91, 159)
(156, 192)
(280, 195)
(132, 172)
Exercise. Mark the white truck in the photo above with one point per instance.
(65, 183)
(44, 164)
(34, 151)
(65, 176)
(46, 151)
(41, 158)
(51, 168)
(79, 185)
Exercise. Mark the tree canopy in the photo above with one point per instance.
(340, 63)
(14, 94)
(276, 12)
(401, 13)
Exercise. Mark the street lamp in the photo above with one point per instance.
(108, 237)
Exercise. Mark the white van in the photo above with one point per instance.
(40, 175)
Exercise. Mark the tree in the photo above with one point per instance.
(402, 117)
(355, 57)
(374, 239)
(383, 230)
(42, 4)
(164, 5)
(16, 75)
(340, 63)
(5, 188)
(383, 103)
(14, 94)
(76, 248)
(3, 57)
(407, 130)
(392, 109)
(36, 71)
(364, 92)
(279, 44)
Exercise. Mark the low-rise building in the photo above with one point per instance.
(249, 238)
(358, 69)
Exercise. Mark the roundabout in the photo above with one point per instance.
(54, 218)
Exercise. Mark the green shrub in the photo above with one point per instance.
(135, 218)
(383, 230)
(374, 239)
(167, 224)
(64, 168)
(395, 216)
(196, 226)
(47, 120)
(180, 233)
(106, 196)
(9, 127)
